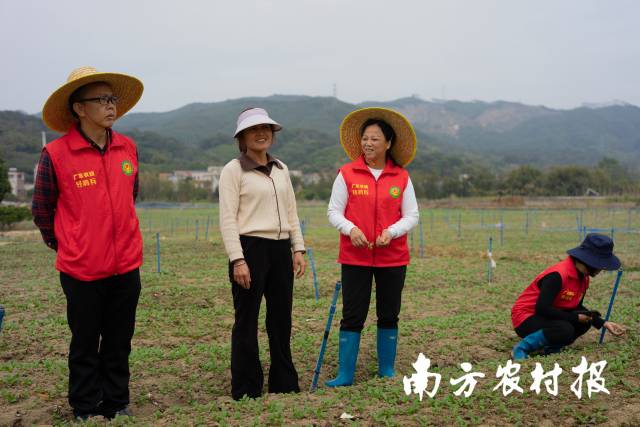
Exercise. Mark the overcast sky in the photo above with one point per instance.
(555, 53)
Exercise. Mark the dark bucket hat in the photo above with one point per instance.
(596, 251)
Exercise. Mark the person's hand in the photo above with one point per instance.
(383, 239)
(241, 274)
(358, 239)
(615, 329)
(299, 264)
(583, 318)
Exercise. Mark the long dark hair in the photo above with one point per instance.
(387, 131)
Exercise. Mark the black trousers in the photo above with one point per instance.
(101, 315)
(558, 332)
(271, 268)
(356, 295)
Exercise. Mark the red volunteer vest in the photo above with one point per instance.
(373, 206)
(95, 219)
(570, 295)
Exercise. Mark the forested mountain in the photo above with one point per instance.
(452, 134)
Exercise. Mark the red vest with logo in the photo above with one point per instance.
(571, 293)
(373, 206)
(95, 224)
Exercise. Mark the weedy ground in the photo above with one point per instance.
(451, 313)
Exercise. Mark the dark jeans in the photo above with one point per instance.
(271, 268)
(356, 295)
(101, 315)
(558, 332)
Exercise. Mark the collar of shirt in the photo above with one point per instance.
(93, 143)
(247, 164)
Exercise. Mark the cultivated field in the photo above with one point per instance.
(450, 313)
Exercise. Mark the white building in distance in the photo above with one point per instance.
(208, 179)
(16, 180)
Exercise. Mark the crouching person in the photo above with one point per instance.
(550, 314)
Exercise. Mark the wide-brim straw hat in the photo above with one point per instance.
(404, 148)
(56, 113)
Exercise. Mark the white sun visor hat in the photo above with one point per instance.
(255, 116)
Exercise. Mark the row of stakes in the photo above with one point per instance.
(581, 228)
(491, 265)
(582, 233)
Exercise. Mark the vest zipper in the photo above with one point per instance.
(113, 220)
(375, 220)
(277, 206)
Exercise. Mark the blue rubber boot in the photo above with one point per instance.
(348, 355)
(531, 342)
(387, 346)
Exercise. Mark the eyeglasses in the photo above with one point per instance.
(103, 100)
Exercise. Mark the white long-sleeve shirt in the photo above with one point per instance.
(340, 196)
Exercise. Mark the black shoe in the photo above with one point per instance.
(124, 412)
(84, 416)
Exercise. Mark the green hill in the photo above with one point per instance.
(496, 135)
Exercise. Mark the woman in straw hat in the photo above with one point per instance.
(83, 204)
(373, 205)
(549, 314)
(261, 233)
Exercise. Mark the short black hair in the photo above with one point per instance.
(79, 94)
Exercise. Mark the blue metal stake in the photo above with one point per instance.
(526, 224)
(206, 233)
(411, 241)
(197, 228)
(459, 223)
(327, 329)
(313, 270)
(579, 227)
(501, 228)
(431, 223)
(613, 296)
(158, 252)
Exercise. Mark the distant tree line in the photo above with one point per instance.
(152, 188)
(467, 179)
(458, 178)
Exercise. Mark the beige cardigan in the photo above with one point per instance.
(254, 204)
